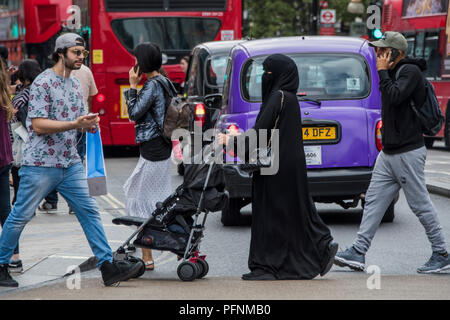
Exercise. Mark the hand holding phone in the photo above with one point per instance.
(91, 116)
(135, 75)
(394, 54)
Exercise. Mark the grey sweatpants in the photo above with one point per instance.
(392, 172)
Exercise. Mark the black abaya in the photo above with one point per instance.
(288, 238)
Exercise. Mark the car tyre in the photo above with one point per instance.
(389, 215)
(447, 126)
(231, 214)
(180, 169)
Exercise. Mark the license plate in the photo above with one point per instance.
(123, 103)
(313, 155)
(319, 133)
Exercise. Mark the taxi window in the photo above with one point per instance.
(322, 76)
(215, 70)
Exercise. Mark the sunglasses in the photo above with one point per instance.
(78, 53)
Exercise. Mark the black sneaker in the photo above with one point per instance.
(350, 258)
(5, 278)
(116, 271)
(47, 206)
(437, 263)
(15, 266)
(71, 211)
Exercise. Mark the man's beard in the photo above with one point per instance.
(71, 65)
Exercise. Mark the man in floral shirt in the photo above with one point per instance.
(56, 111)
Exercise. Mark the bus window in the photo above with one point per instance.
(168, 33)
(432, 56)
(418, 50)
(410, 38)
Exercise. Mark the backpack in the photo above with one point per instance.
(430, 114)
(178, 112)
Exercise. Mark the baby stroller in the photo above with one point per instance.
(174, 224)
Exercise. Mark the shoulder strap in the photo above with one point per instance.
(398, 71)
(278, 116)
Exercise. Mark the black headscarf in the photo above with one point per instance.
(284, 75)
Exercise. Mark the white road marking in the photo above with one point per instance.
(68, 257)
(438, 172)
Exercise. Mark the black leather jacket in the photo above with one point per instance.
(147, 108)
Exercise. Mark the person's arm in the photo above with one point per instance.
(47, 126)
(20, 103)
(138, 104)
(265, 120)
(38, 110)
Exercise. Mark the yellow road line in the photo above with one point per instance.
(110, 196)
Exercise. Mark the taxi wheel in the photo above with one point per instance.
(389, 215)
(231, 214)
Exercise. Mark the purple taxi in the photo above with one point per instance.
(340, 106)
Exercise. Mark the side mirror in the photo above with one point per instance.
(213, 101)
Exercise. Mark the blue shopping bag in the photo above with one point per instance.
(95, 165)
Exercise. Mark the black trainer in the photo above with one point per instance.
(5, 278)
(15, 266)
(116, 271)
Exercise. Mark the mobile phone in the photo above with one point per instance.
(136, 68)
(92, 115)
(394, 54)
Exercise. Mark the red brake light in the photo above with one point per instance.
(378, 135)
(233, 127)
(199, 114)
(100, 97)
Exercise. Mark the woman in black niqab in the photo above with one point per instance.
(288, 238)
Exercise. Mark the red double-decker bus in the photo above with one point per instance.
(426, 26)
(112, 28)
(117, 26)
(12, 29)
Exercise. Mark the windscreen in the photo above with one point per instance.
(322, 76)
(216, 68)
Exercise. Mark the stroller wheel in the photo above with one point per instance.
(203, 268)
(137, 260)
(187, 271)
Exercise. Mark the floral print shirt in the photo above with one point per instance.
(56, 98)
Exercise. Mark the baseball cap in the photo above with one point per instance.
(68, 40)
(391, 39)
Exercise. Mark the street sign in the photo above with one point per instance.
(328, 16)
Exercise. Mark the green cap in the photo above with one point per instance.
(391, 39)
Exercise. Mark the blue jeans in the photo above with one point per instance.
(35, 184)
(52, 197)
(5, 199)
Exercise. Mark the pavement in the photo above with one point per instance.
(52, 244)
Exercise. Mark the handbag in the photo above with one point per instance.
(262, 157)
